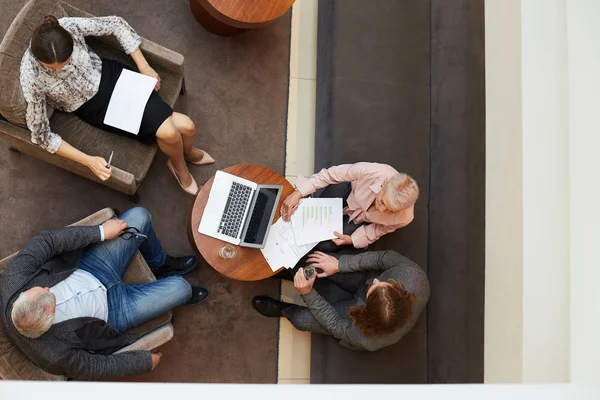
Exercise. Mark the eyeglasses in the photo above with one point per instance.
(133, 232)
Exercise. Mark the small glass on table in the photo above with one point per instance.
(227, 251)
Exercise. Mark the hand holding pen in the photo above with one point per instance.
(99, 167)
(290, 204)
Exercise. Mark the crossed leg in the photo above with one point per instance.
(131, 305)
(339, 290)
(170, 140)
(303, 320)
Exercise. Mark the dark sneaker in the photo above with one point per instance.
(268, 306)
(176, 266)
(199, 294)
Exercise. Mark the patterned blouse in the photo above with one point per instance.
(76, 83)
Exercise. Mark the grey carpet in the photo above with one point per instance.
(457, 203)
(373, 105)
(402, 82)
(237, 96)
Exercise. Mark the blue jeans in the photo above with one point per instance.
(132, 305)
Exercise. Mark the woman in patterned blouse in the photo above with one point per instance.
(59, 70)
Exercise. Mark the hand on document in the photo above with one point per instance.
(325, 262)
(290, 204)
(128, 100)
(341, 240)
(315, 220)
(149, 71)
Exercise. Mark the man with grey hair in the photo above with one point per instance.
(66, 308)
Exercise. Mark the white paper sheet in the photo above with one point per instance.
(128, 101)
(281, 249)
(316, 219)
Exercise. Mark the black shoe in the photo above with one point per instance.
(199, 294)
(176, 266)
(268, 306)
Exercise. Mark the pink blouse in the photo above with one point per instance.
(367, 180)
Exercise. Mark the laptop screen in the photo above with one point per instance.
(261, 215)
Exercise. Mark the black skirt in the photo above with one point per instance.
(94, 110)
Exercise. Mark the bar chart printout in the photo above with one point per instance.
(317, 219)
(320, 215)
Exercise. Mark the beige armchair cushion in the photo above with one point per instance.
(157, 331)
(14, 365)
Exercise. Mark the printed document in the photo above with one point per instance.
(128, 101)
(281, 249)
(317, 219)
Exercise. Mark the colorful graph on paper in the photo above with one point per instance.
(317, 215)
(317, 219)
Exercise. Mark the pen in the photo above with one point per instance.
(293, 208)
(110, 159)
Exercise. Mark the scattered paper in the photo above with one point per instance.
(128, 101)
(281, 249)
(316, 219)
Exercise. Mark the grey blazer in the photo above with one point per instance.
(80, 348)
(392, 266)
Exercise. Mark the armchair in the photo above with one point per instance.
(156, 332)
(129, 167)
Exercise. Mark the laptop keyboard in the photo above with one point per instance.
(231, 221)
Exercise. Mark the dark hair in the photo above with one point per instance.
(388, 307)
(51, 43)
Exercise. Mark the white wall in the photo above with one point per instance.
(527, 334)
(545, 191)
(583, 22)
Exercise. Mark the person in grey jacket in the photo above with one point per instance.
(64, 305)
(386, 293)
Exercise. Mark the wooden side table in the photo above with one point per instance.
(249, 263)
(231, 17)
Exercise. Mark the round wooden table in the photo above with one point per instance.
(231, 17)
(249, 263)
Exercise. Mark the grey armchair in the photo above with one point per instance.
(156, 332)
(133, 159)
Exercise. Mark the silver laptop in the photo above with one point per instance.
(239, 211)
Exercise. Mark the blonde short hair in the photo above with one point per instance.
(401, 191)
(32, 316)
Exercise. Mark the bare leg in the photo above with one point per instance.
(171, 143)
(187, 129)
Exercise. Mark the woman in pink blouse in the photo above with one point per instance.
(377, 200)
(58, 69)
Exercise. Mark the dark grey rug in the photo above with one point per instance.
(373, 105)
(402, 82)
(237, 96)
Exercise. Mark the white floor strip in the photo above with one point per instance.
(294, 345)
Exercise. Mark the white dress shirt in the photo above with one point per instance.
(80, 295)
